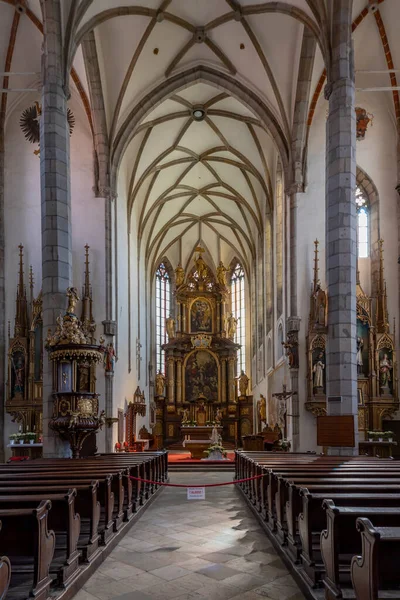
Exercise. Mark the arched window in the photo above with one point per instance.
(363, 215)
(238, 311)
(162, 312)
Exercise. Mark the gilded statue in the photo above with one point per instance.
(218, 416)
(201, 268)
(160, 384)
(243, 383)
(73, 298)
(232, 325)
(185, 416)
(318, 370)
(170, 325)
(179, 275)
(263, 409)
(221, 274)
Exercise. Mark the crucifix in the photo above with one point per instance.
(282, 408)
(138, 357)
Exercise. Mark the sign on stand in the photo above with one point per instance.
(196, 493)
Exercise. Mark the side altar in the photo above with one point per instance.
(199, 388)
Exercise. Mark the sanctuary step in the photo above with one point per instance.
(179, 446)
(186, 467)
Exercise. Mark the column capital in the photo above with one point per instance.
(296, 187)
(110, 327)
(105, 192)
(293, 324)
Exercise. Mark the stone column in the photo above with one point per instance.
(55, 200)
(170, 380)
(223, 380)
(341, 242)
(179, 381)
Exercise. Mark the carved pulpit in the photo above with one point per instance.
(200, 355)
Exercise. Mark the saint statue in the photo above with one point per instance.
(19, 373)
(221, 274)
(215, 437)
(179, 275)
(319, 302)
(218, 416)
(201, 268)
(232, 325)
(160, 384)
(185, 416)
(243, 383)
(385, 367)
(318, 370)
(263, 409)
(170, 324)
(109, 358)
(72, 295)
(360, 363)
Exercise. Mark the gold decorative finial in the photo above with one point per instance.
(382, 323)
(21, 312)
(88, 323)
(31, 283)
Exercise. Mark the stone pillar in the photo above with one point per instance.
(109, 375)
(341, 242)
(170, 380)
(179, 381)
(55, 201)
(223, 380)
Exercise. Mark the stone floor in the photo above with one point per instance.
(193, 550)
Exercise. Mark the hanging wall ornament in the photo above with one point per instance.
(363, 119)
(30, 124)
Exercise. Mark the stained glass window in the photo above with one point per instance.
(238, 311)
(362, 223)
(162, 312)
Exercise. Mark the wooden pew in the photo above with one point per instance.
(5, 576)
(65, 523)
(341, 540)
(377, 569)
(312, 521)
(30, 548)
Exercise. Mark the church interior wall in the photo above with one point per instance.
(23, 221)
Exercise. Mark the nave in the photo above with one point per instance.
(183, 549)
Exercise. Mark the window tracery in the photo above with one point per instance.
(238, 311)
(163, 305)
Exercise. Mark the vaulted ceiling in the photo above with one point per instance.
(210, 178)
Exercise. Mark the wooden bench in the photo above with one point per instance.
(30, 547)
(377, 569)
(340, 541)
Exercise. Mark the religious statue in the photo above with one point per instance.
(179, 275)
(109, 358)
(170, 324)
(318, 370)
(201, 268)
(72, 295)
(221, 274)
(385, 367)
(160, 384)
(218, 416)
(215, 437)
(360, 364)
(243, 383)
(291, 352)
(263, 409)
(319, 306)
(282, 408)
(232, 325)
(19, 373)
(84, 378)
(185, 416)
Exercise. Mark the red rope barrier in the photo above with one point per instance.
(182, 485)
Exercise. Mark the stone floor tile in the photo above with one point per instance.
(244, 581)
(84, 595)
(218, 572)
(197, 563)
(170, 572)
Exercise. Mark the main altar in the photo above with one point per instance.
(199, 388)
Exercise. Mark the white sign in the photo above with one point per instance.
(196, 493)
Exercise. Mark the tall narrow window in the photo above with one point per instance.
(162, 312)
(238, 311)
(362, 223)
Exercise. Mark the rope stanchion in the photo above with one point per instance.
(204, 485)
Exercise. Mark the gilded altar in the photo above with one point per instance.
(377, 384)
(199, 387)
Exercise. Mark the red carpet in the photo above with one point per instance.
(179, 457)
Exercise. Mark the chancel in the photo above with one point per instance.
(199, 284)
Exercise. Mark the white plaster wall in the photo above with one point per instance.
(23, 222)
